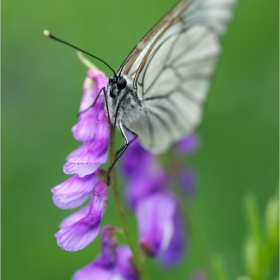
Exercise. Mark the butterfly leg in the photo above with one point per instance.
(120, 152)
(94, 102)
(106, 103)
(122, 149)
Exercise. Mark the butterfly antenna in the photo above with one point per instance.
(48, 34)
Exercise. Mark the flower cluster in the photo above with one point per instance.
(162, 232)
(81, 228)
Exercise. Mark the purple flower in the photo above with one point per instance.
(79, 150)
(115, 262)
(89, 160)
(187, 180)
(132, 158)
(189, 144)
(93, 83)
(160, 228)
(92, 129)
(85, 129)
(142, 186)
(81, 228)
(177, 246)
(142, 179)
(74, 191)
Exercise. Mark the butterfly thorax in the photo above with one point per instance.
(123, 103)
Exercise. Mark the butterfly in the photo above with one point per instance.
(158, 92)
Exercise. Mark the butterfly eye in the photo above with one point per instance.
(121, 83)
(112, 80)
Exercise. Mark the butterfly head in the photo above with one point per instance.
(116, 85)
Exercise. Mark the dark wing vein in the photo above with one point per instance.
(166, 110)
(190, 47)
(150, 35)
(161, 120)
(197, 61)
(151, 131)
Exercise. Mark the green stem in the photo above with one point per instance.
(114, 183)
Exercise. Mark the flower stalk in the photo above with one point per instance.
(113, 175)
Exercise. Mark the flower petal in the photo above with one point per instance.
(85, 163)
(94, 271)
(76, 236)
(125, 266)
(130, 161)
(99, 77)
(67, 202)
(93, 83)
(109, 244)
(189, 144)
(155, 219)
(84, 130)
(90, 93)
(176, 248)
(79, 150)
(144, 185)
(74, 191)
(99, 199)
(114, 263)
(90, 159)
(75, 217)
(188, 180)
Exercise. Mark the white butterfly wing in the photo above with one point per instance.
(173, 70)
(174, 87)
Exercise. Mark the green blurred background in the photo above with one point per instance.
(41, 90)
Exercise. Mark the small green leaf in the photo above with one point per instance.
(244, 277)
(251, 257)
(253, 218)
(219, 268)
(272, 221)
